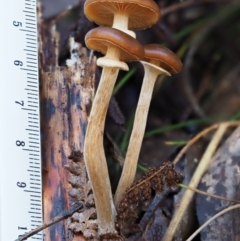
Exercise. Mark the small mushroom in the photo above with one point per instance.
(158, 60)
(118, 46)
(124, 14)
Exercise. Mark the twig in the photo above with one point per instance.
(204, 163)
(63, 215)
(153, 206)
(211, 219)
(195, 44)
(203, 87)
(181, 5)
(198, 136)
(58, 17)
(113, 149)
(209, 194)
(159, 197)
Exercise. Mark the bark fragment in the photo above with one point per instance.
(66, 95)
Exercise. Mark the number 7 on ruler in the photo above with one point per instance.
(20, 148)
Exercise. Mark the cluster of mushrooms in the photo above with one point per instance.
(116, 40)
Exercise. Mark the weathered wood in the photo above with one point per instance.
(66, 96)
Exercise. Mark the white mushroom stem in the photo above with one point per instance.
(93, 148)
(120, 21)
(134, 146)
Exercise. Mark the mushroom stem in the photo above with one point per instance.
(94, 153)
(134, 146)
(117, 46)
(111, 59)
(120, 21)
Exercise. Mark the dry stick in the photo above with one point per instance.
(61, 15)
(204, 86)
(196, 42)
(159, 197)
(209, 194)
(198, 136)
(63, 215)
(204, 163)
(211, 219)
(115, 151)
(194, 140)
(178, 6)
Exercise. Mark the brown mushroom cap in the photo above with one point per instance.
(162, 57)
(142, 13)
(101, 38)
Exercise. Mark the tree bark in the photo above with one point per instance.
(66, 95)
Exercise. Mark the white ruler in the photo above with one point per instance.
(20, 153)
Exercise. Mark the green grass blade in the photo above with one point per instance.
(122, 81)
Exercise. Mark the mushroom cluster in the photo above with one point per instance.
(116, 40)
(118, 47)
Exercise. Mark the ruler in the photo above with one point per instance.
(20, 153)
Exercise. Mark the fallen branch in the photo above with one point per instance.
(198, 136)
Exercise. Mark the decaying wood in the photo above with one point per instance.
(66, 97)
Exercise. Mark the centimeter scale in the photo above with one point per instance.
(20, 153)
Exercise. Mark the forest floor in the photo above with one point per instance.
(205, 35)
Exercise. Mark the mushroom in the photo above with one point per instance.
(118, 46)
(158, 60)
(124, 14)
